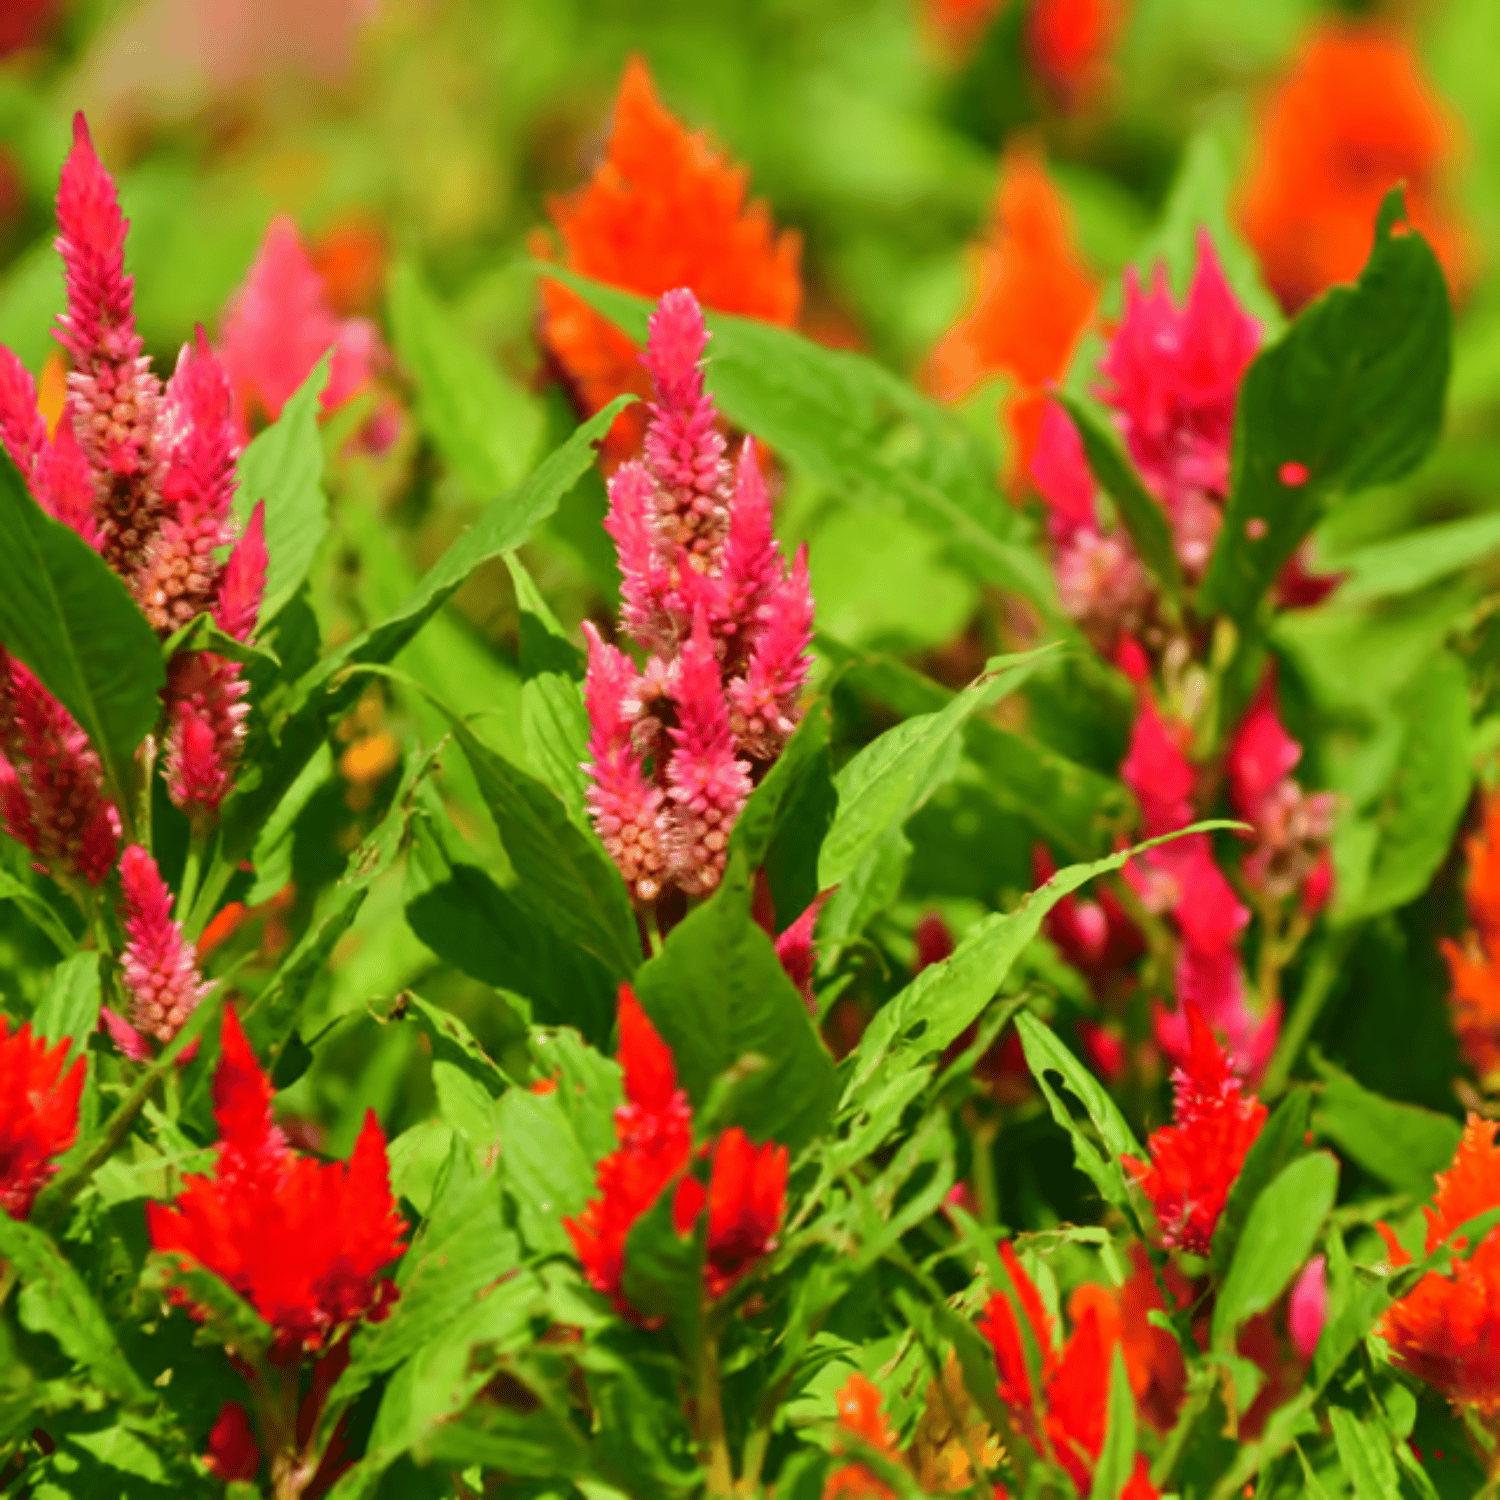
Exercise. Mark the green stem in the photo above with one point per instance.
(1187, 1419)
(1317, 985)
(710, 1413)
(191, 870)
(986, 1191)
(206, 899)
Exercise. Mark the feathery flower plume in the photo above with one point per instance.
(724, 625)
(1474, 961)
(746, 1199)
(1172, 376)
(1195, 1160)
(38, 1113)
(1033, 297)
(1072, 1395)
(661, 211)
(279, 324)
(113, 397)
(52, 796)
(859, 1412)
(1446, 1330)
(23, 428)
(1307, 1307)
(304, 1242)
(1353, 117)
(159, 966)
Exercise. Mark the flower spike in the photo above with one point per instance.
(38, 1113)
(243, 583)
(159, 966)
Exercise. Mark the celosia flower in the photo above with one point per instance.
(304, 1242)
(52, 796)
(233, 1453)
(1032, 299)
(1095, 936)
(1071, 1396)
(38, 1113)
(1307, 1308)
(654, 1128)
(1195, 1160)
(725, 626)
(794, 948)
(279, 324)
(1446, 1330)
(661, 211)
(1172, 376)
(1291, 826)
(159, 967)
(746, 1199)
(25, 23)
(1068, 42)
(1353, 118)
(1153, 1357)
(1474, 961)
(859, 1413)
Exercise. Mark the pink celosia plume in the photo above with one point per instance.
(52, 796)
(243, 584)
(794, 948)
(159, 967)
(23, 429)
(206, 711)
(724, 624)
(1307, 1308)
(280, 323)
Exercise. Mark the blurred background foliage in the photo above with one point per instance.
(416, 145)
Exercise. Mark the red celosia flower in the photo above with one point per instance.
(1353, 118)
(654, 1128)
(1474, 962)
(1195, 1160)
(25, 23)
(661, 211)
(1172, 376)
(706, 593)
(1446, 1330)
(859, 1410)
(159, 966)
(38, 1113)
(51, 783)
(1068, 42)
(303, 1241)
(1032, 299)
(746, 1199)
(1062, 1415)
(233, 1453)
(794, 945)
(1153, 1357)
(280, 323)
(1095, 936)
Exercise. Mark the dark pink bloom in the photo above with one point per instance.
(1158, 771)
(159, 966)
(1095, 936)
(114, 399)
(233, 1453)
(279, 324)
(725, 625)
(23, 429)
(243, 583)
(1172, 376)
(794, 948)
(52, 796)
(206, 708)
(1307, 1310)
(1104, 1049)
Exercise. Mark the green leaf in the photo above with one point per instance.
(554, 721)
(1407, 835)
(55, 1301)
(1282, 1139)
(1365, 1455)
(717, 994)
(451, 1042)
(66, 615)
(226, 1319)
(830, 411)
(284, 467)
(565, 879)
(1142, 515)
(1046, 1054)
(886, 781)
(501, 527)
(483, 423)
(545, 1168)
(537, 1441)
(202, 634)
(38, 911)
(1117, 1457)
(1417, 558)
(664, 1271)
(70, 1008)
(1402, 1143)
(1353, 392)
(1279, 1235)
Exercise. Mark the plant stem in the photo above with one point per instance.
(192, 868)
(1317, 985)
(986, 1192)
(1194, 1407)
(710, 1413)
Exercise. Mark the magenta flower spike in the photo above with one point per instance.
(159, 966)
(23, 429)
(114, 399)
(179, 577)
(724, 625)
(51, 784)
(1307, 1307)
(243, 584)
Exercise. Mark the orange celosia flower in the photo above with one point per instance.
(1354, 118)
(662, 211)
(1475, 962)
(859, 1412)
(1446, 1330)
(1033, 298)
